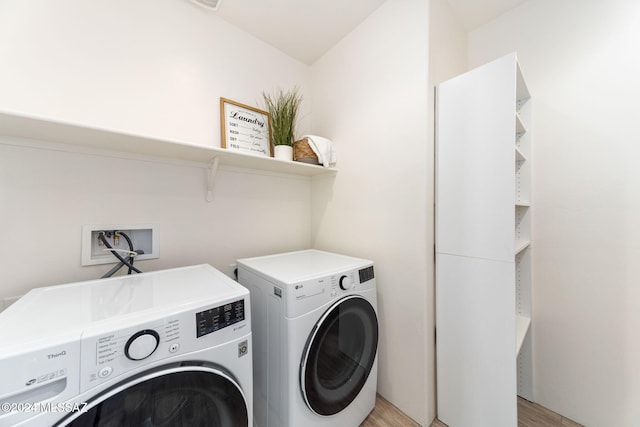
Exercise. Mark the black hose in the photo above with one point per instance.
(116, 254)
(130, 259)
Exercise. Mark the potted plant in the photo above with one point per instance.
(283, 109)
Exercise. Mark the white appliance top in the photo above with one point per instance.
(292, 267)
(61, 312)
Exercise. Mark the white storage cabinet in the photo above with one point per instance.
(483, 245)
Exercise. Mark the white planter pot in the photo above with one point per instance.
(283, 152)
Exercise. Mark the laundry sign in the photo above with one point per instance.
(245, 128)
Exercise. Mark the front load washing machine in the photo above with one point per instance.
(165, 348)
(315, 334)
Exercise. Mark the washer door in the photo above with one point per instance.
(173, 396)
(339, 355)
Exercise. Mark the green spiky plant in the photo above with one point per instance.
(283, 109)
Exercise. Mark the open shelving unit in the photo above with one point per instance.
(523, 234)
(75, 137)
(483, 245)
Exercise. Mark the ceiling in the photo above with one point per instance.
(475, 13)
(306, 29)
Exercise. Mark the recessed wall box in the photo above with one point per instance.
(143, 237)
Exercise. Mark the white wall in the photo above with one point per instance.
(447, 45)
(150, 67)
(580, 61)
(46, 197)
(370, 97)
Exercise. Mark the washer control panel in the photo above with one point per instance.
(108, 355)
(216, 318)
(108, 352)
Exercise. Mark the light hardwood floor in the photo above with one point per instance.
(533, 415)
(529, 415)
(387, 415)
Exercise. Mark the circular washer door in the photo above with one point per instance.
(176, 396)
(339, 355)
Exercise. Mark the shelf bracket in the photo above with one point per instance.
(212, 170)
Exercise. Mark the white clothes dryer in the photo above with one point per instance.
(165, 348)
(315, 334)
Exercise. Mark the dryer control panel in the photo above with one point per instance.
(307, 295)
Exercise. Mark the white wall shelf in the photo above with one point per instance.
(82, 137)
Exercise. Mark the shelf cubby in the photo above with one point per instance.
(522, 328)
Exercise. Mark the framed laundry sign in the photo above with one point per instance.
(244, 128)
